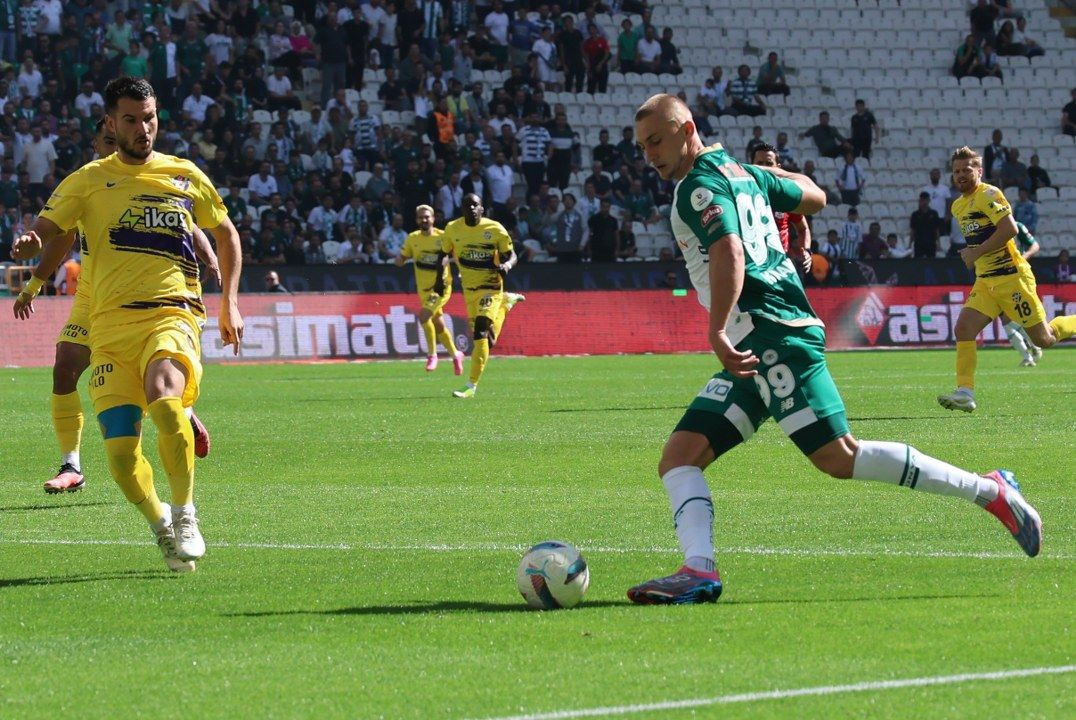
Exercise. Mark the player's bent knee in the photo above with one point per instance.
(685, 448)
(165, 377)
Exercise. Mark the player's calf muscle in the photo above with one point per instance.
(685, 448)
(71, 361)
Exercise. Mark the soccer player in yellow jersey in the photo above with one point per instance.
(483, 252)
(73, 348)
(137, 209)
(423, 246)
(1004, 282)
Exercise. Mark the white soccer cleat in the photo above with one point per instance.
(510, 299)
(166, 541)
(1036, 351)
(959, 399)
(1028, 361)
(189, 542)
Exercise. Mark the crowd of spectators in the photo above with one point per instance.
(997, 29)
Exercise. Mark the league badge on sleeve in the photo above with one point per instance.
(701, 197)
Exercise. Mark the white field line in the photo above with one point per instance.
(510, 547)
(794, 693)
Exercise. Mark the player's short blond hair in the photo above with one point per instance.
(427, 208)
(966, 153)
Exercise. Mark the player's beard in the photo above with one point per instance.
(134, 149)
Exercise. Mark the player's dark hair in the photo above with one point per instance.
(763, 147)
(127, 87)
(924, 195)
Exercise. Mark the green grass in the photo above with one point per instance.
(407, 510)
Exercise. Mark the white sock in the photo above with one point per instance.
(1016, 338)
(189, 412)
(693, 515)
(182, 509)
(165, 521)
(901, 464)
(1027, 338)
(72, 459)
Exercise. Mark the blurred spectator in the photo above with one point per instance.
(450, 198)
(744, 96)
(670, 56)
(938, 193)
(827, 139)
(1037, 176)
(755, 141)
(605, 152)
(391, 239)
(474, 181)
(596, 51)
(1068, 115)
(771, 77)
(785, 154)
(864, 130)
(896, 250)
(567, 244)
(570, 48)
(38, 160)
(1014, 172)
(280, 91)
(627, 43)
(989, 63)
(626, 149)
(850, 180)
(982, 18)
(521, 36)
(640, 202)
(872, 246)
(626, 247)
(925, 225)
(546, 52)
(648, 52)
(830, 247)
(966, 61)
(850, 235)
(352, 250)
(333, 54)
(1064, 269)
(497, 22)
(1026, 211)
(500, 177)
(560, 161)
(272, 283)
(536, 147)
(600, 179)
(994, 157)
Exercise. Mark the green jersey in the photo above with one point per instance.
(1024, 238)
(719, 197)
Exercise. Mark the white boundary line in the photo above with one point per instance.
(509, 547)
(794, 693)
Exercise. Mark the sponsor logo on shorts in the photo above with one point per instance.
(717, 389)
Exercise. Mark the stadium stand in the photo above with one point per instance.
(418, 95)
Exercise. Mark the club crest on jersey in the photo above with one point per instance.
(709, 214)
(1016, 297)
(700, 198)
(487, 235)
(181, 181)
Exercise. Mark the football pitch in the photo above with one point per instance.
(364, 529)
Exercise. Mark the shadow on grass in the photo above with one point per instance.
(876, 599)
(436, 608)
(915, 417)
(336, 398)
(63, 506)
(617, 409)
(95, 577)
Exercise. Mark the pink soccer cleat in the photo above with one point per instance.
(1015, 512)
(68, 479)
(684, 587)
(431, 363)
(201, 437)
(457, 363)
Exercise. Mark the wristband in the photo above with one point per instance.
(33, 286)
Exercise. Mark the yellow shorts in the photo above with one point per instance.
(120, 354)
(1015, 295)
(433, 302)
(77, 329)
(486, 304)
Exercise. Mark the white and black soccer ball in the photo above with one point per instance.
(552, 575)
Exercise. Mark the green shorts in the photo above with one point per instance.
(793, 386)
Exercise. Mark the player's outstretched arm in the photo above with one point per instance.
(204, 250)
(814, 197)
(231, 262)
(48, 239)
(1004, 232)
(726, 267)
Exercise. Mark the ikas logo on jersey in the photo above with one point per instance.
(181, 181)
(710, 213)
(151, 217)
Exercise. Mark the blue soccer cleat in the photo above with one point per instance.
(685, 587)
(1015, 512)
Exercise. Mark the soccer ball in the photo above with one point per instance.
(552, 575)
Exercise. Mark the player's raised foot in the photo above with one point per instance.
(431, 363)
(467, 392)
(457, 362)
(68, 479)
(189, 542)
(166, 541)
(201, 437)
(1015, 512)
(510, 299)
(685, 587)
(1028, 361)
(959, 399)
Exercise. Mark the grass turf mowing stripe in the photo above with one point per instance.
(508, 547)
(794, 693)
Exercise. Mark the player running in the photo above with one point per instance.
(423, 246)
(137, 209)
(771, 345)
(1004, 282)
(800, 250)
(483, 252)
(1018, 337)
(73, 346)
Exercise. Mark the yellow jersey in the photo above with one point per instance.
(479, 249)
(978, 215)
(423, 249)
(137, 222)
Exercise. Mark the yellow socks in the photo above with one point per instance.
(431, 337)
(67, 419)
(445, 337)
(965, 364)
(1064, 326)
(479, 356)
(175, 440)
(134, 475)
